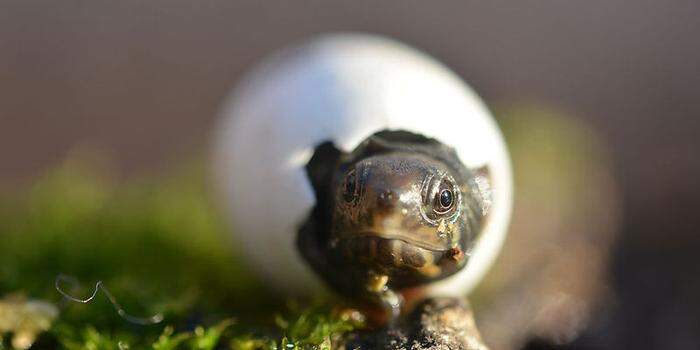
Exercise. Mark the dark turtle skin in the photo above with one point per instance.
(397, 212)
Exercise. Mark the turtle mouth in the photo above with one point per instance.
(405, 238)
(402, 239)
(395, 253)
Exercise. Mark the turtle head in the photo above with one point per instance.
(404, 212)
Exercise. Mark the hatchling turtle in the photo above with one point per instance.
(356, 162)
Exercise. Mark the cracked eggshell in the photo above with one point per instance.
(342, 87)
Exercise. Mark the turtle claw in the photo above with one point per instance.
(392, 302)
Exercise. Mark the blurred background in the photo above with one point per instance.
(135, 87)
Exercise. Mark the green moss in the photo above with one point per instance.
(159, 246)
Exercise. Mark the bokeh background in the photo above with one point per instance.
(141, 83)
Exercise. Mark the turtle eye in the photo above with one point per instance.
(350, 186)
(444, 198)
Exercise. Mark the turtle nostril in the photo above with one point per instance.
(386, 199)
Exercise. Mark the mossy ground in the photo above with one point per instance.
(159, 247)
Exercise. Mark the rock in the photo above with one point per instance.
(438, 323)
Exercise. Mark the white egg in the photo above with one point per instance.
(343, 88)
